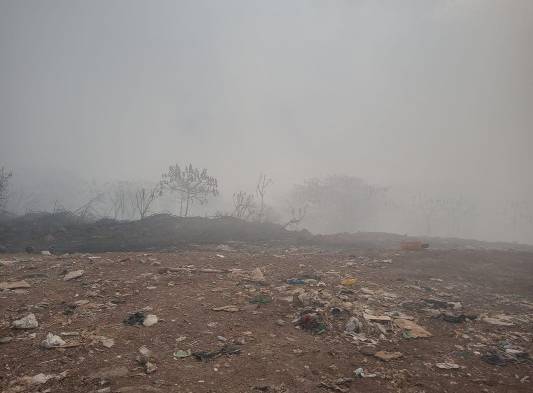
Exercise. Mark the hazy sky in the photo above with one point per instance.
(397, 92)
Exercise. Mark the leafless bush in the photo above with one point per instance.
(191, 185)
(144, 199)
(244, 205)
(297, 215)
(261, 189)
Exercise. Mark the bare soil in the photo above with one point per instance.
(275, 354)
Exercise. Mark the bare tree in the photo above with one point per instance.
(4, 182)
(144, 199)
(261, 189)
(118, 202)
(337, 203)
(191, 185)
(244, 205)
(89, 210)
(297, 215)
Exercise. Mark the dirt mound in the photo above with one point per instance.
(65, 232)
(391, 241)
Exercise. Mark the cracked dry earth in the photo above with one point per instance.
(206, 320)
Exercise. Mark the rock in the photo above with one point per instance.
(447, 366)
(45, 252)
(360, 373)
(145, 351)
(73, 275)
(229, 308)
(14, 285)
(387, 356)
(107, 342)
(353, 325)
(27, 322)
(41, 378)
(257, 276)
(150, 367)
(411, 329)
(52, 341)
(150, 320)
(5, 340)
(145, 358)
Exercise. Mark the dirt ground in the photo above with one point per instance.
(309, 336)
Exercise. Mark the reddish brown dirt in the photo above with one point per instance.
(274, 357)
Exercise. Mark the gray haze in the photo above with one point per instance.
(431, 97)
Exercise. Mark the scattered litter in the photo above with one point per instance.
(348, 282)
(353, 325)
(180, 354)
(387, 356)
(312, 322)
(136, 318)
(73, 275)
(145, 359)
(227, 349)
(226, 308)
(150, 320)
(295, 281)
(40, 379)
(411, 329)
(360, 373)
(495, 359)
(261, 299)
(377, 318)
(447, 366)
(107, 342)
(52, 341)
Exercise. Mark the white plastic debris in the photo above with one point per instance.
(27, 322)
(52, 341)
(72, 275)
(150, 320)
(257, 276)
